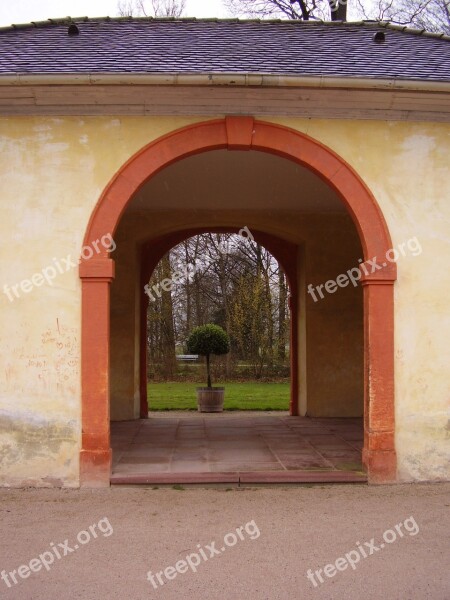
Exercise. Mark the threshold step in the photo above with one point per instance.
(239, 478)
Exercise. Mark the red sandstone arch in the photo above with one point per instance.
(240, 133)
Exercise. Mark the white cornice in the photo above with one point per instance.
(224, 79)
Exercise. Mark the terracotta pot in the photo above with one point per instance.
(210, 399)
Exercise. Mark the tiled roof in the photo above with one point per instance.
(194, 46)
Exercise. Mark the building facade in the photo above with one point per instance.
(120, 138)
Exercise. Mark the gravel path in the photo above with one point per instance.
(286, 531)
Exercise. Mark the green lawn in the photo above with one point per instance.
(238, 396)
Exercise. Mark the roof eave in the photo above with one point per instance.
(223, 79)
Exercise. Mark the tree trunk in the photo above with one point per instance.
(167, 315)
(338, 10)
(208, 370)
(188, 292)
(223, 278)
(282, 297)
(304, 10)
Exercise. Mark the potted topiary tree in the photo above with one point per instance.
(206, 340)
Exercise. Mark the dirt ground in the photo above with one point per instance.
(262, 541)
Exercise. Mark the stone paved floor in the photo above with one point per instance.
(235, 443)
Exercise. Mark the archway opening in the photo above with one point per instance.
(232, 281)
(311, 159)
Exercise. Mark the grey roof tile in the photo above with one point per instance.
(223, 46)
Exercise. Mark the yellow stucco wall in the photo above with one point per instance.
(53, 171)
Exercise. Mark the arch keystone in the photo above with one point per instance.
(240, 132)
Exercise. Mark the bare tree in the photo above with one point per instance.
(226, 280)
(161, 332)
(151, 8)
(251, 323)
(431, 15)
(304, 10)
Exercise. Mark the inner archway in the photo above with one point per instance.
(283, 252)
(240, 134)
(230, 280)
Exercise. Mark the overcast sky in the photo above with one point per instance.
(24, 11)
